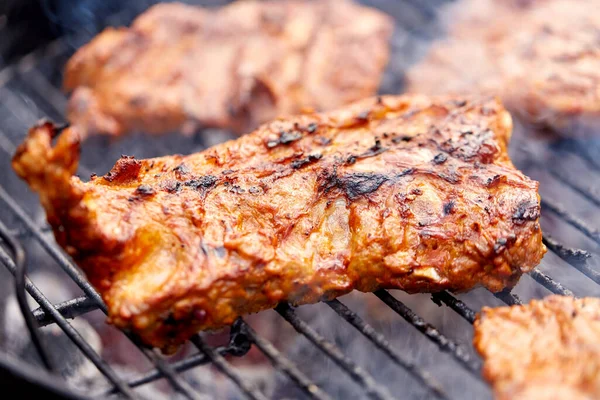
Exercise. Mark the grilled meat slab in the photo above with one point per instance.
(548, 349)
(541, 56)
(180, 67)
(405, 192)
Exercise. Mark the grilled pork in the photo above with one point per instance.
(541, 56)
(545, 350)
(408, 192)
(179, 67)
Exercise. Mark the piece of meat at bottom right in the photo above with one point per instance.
(547, 349)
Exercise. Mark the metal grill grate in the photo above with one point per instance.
(50, 100)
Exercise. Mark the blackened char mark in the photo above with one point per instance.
(440, 158)
(285, 137)
(144, 191)
(403, 138)
(237, 189)
(451, 177)
(526, 211)
(204, 182)
(374, 150)
(479, 146)
(361, 183)
(288, 137)
(297, 164)
(407, 171)
(312, 127)
(171, 186)
(449, 207)
(329, 180)
(355, 185)
(323, 141)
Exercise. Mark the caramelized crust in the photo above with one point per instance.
(407, 192)
(542, 56)
(179, 66)
(545, 350)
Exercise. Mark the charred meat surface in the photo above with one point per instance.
(182, 243)
(548, 349)
(542, 56)
(179, 66)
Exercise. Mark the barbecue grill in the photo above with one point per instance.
(30, 79)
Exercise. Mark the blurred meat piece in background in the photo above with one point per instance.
(181, 67)
(548, 349)
(541, 56)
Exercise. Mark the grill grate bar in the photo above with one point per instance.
(560, 175)
(179, 366)
(82, 305)
(588, 271)
(508, 298)
(53, 96)
(224, 367)
(6, 144)
(62, 261)
(445, 344)
(29, 61)
(21, 294)
(455, 304)
(238, 346)
(571, 219)
(575, 257)
(592, 163)
(373, 390)
(13, 103)
(570, 255)
(68, 309)
(381, 342)
(68, 329)
(78, 278)
(167, 371)
(549, 283)
(24, 233)
(19, 108)
(283, 364)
